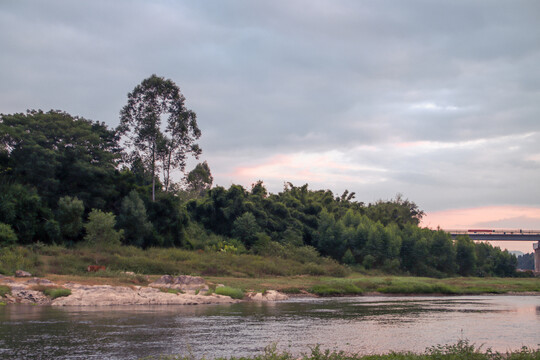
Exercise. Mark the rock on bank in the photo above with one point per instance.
(168, 290)
(104, 295)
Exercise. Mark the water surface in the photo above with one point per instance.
(355, 324)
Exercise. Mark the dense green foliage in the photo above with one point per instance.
(229, 291)
(100, 230)
(64, 180)
(526, 261)
(7, 235)
(74, 261)
(4, 290)
(140, 120)
(54, 293)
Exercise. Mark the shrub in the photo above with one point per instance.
(57, 292)
(51, 291)
(100, 230)
(69, 216)
(303, 254)
(336, 288)
(348, 258)
(369, 261)
(413, 286)
(4, 290)
(7, 235)
(291, 290)
(15, 258)
(171, 291)
(230, 291)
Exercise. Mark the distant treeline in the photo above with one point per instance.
(66, 179)
(525, 261)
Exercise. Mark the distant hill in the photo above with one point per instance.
(517, 253)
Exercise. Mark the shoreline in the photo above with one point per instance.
(25, 290)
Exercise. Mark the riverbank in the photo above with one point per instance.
(132, 289)
(166, 290)
(303, 275)
(462, 350)
(360, 284)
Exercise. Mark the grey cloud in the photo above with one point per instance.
(286, 77)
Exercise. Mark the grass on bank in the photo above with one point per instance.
(52, 291)
(462, 350)
(244, 272)
(356, 284)
(40, 260)
(171, 291)
(235, 293)
(4, 290)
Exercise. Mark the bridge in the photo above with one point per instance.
(504, 235)
(498, 235)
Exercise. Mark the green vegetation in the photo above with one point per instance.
(4, 290)
(320, 276)
(67, 181)
(19, 258)
(335, 288)
(7, 235)
(153, 261)
(171, 291)
(56, 293)
(526, 261)
(235, 293)
(100, 232)
(462, 350)
(355, 284)
(52, 291)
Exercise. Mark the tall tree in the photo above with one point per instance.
(200, 179)
(140, 121)
(133, 220)
(69, 216)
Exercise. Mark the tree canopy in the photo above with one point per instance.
(65, 179)
(141, 121)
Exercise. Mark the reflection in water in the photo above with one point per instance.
(356, 324)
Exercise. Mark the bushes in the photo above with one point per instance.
(56, 293)
(52, 292)
(4, 290)
(336, 288)
(230, 291)
(100, 230)
(7, 235)
(462, 350)
(18, 258)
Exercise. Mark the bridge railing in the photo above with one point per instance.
(493, 232)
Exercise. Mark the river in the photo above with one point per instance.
(366, 325)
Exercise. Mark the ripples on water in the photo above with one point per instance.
(357, 324)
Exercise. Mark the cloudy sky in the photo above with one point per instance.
(437, 100)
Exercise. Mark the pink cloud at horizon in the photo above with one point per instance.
(304, 167)
(488, 217)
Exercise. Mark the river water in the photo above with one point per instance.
(366, 325)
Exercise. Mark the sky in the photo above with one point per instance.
(435, 100)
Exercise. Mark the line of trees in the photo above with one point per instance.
(65, 179)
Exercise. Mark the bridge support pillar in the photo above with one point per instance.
(536, 247)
